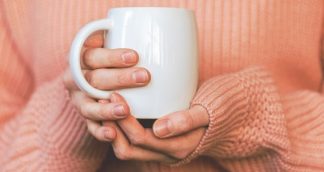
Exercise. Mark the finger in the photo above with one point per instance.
(95, 40)
(93, 110)
(102, 133)
(125, 151)
(129, 125)
(68, 81)
(117, 98)
(134, 131)
(95, 58)
(107, 79)
(181, 122)
(177, 147)
(105, 101)
(83, 66)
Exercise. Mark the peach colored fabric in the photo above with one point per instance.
(260, 76)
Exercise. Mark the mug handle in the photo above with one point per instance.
(75, 65)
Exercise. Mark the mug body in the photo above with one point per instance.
(166, 41)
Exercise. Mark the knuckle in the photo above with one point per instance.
(91, 131)
(122, 153)
(92, 79)
(137, 139)
(88, 57)
(122, 78)
(95, 132)
(105, 112)
(84, 109)
(188, 122)
(102, 111)
(97, 135)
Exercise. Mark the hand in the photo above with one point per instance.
(174, 136)
(105, 69)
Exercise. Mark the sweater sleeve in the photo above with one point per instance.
(40, 130)
(253, 128)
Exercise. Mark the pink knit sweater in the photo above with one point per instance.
(260, 80)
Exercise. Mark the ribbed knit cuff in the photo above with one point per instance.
(228, 99)
(63, 128)
(51, 127)
(218, 93)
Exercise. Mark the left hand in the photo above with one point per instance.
(173, 137)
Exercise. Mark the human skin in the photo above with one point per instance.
(173, 136)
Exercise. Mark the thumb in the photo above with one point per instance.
(181, 122)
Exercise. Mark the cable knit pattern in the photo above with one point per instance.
(267, 118)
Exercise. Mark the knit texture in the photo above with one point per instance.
(267, 118)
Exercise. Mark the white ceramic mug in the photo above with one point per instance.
(166, 41)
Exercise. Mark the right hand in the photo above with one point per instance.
(105, 69)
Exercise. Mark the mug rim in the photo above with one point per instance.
(151, 8)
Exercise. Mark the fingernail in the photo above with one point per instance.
(119, 111)
(108, 135)
(162, 128)
(140, 76)
(129, 57)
